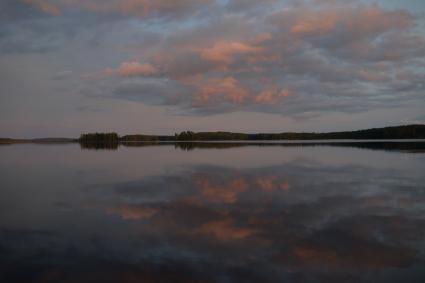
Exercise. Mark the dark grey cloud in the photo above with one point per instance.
(322, 59)
(249, 5)
(62, 75)
(299, 59)
(151, 91)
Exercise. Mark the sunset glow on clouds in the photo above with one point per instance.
(201, 58)
(44, 6)
(133, 68)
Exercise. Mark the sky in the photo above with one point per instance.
(162, 66)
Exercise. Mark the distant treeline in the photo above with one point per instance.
(399, 132)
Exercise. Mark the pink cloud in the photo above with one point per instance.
(44, 6)
(271, 95)
(375, 19)
(225, 230)
(310, 22)
(322, 49)
(133, 213)
(357, 22)
(228, 87)
(133, 69)
(223, 51)
(285, 186)
(139, 8)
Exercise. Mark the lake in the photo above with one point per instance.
(213, 212)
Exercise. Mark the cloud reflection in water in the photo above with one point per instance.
(302, 221)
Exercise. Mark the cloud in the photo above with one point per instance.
(155, 91)
(129, 212)
(294, 61)
(224, 230)
(61, 75)
(347, 32)
(248, 5)
(133, 69)
(137, 8)
(44, 6)
(295, 58)
(215, 90)
(224, 51)
(271, 95)
(357, 21)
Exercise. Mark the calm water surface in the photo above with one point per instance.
(189, 213)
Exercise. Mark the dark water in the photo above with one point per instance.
(205, 213)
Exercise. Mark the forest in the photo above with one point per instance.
(398, 132)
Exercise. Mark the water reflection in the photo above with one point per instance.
(99, 145)
(306, 220)
(405, 146)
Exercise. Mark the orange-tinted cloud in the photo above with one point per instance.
(138, 8)
(375, 19)
(356, 22)
(370, 256)
(315, 22)
(224, 230)
(223, 51)
(133, 212)
(331, 49)
(213, 88)
(133, 69)
(44, 6)
(285, 186)
(271, 95)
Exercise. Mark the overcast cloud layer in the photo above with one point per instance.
(160, 66)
